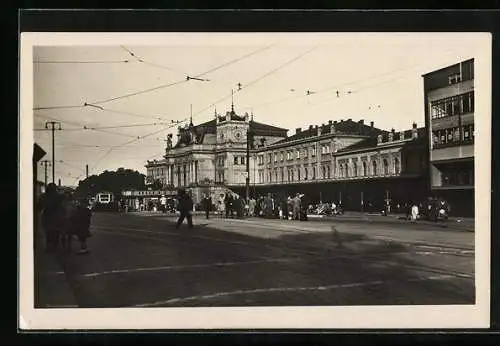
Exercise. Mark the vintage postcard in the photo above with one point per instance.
(254, 180)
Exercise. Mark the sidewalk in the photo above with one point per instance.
(51, 290)
(454, 223)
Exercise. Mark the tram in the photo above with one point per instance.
(104, 201)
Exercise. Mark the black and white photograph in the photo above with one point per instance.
(255, 180)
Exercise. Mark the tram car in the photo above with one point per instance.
(105, 201)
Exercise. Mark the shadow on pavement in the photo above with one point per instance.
(320, 260)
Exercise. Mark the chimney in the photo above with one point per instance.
(391, 135)
(310, 127)
(371, 124)
(349, 119)
(329, 122)
(414, 125)
(379, 139)
(335, 122)
(332, 128)
(362, 122)
(59, 183)
(298, 130)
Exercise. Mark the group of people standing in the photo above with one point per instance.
(62, 217)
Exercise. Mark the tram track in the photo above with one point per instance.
(293, 248)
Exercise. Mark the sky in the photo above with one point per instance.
(138, 92)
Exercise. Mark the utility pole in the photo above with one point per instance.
(45, 164)
(247, 178)
(53, 125)
(86, 171)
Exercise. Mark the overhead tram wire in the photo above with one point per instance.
(339, 86)
(82, 126)
(258, 79)
(85, 127)
(140, 59)
(82, 62)
(111, 149)
(162, 86)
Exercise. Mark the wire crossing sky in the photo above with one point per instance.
(100, 93)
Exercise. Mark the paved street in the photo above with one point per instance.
(141, 260)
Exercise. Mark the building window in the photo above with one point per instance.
(305, 173)
(455, 105)
(468, 133)
(386, 167)
(292, 172)
(298, 173)
(328, 172)
(396, 165)
(346, 170)
(341, 170)
(355, 169)
(282, 156)
(374, 168)
(364, 168)
(454, 78)
(305, 153)
(297, 154)
(313, 151)
(275, 157)
(243, 160)
(236, 160)
(457, 177)
(282, 171)
(288, 155)
(314, 173)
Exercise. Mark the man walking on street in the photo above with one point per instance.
(207, 204)
(185, 207)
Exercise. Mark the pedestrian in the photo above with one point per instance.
(296, 207)
(51, 205)
(251, 206)
(65, 229)
(80, 223)
(414, 212)
(185, 208)
(163, 204)
(207, 204)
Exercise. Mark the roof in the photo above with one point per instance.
(373, 141)
(363, 144)
(343, 127)
(260, 129)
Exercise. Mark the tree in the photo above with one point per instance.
(111, 181)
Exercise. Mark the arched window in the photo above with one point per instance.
(364, 168)
(396, 166)
(324, 172)
(374, 168)
(354, 169)
(341, 169)
(328, 172)
(386, 167)
(346, 168)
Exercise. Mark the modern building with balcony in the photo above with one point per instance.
(449, 114)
